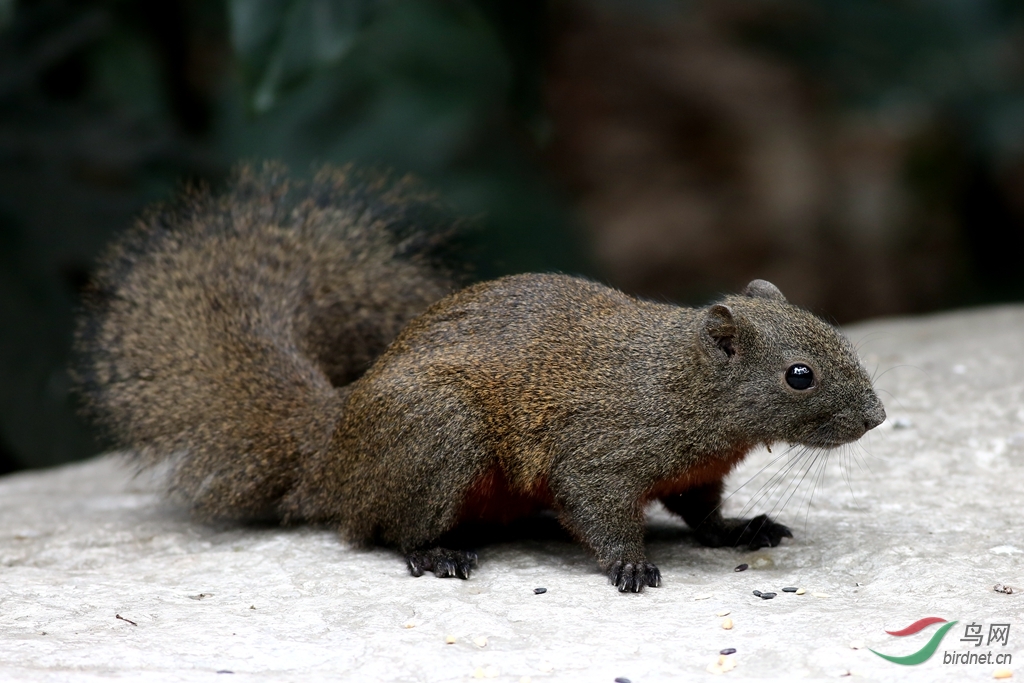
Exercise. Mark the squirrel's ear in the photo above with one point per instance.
(762, 289)
(718, 332)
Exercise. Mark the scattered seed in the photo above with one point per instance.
(409, 624)
(1002, 673)
(727, 624)
(723, 613)
(757, 593)
(722, 664)
(728, 651)
(801, 591)
(789, 589)
(525, 679)
(449, 640)
(622, 679)
(480, 641)
(540, 590)
(821, 595)
(478, 672)
(742, 567)
(491, 672)
(767, 596)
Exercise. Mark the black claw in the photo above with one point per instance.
(765, 532)
(414, 568)
(628, 583)
(632, 578)
(615, 573)
(466, 562)
(443, 562)
(653, 576)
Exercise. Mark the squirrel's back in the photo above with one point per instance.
(221, 332)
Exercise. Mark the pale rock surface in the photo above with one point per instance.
(921, 518)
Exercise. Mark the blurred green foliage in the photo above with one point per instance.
(417, 86)
(280, 44)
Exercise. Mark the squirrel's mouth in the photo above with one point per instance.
(839, 432)
(828, 443)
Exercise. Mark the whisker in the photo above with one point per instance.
(816, 455)
(901, 365)
(844, 466)
(883, 391)
(754, 476)
(792, 485)
(863, 462)
(797, 464)
(825, 433)
(770, 487)
(818, 466)
(863, 340)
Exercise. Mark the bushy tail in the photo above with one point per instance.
(220, 332)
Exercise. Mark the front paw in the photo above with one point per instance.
(442, 561)
(761, 532)
(630, 577)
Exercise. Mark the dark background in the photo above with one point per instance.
(865, 155)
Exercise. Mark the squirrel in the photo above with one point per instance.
(301, 352)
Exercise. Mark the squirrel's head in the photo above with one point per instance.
(788, 375)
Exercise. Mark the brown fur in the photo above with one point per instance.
(235, 341)
(220, 329)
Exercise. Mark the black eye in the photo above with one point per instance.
(799, 376)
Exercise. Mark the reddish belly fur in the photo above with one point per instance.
(491, 499)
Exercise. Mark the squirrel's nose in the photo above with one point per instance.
(875, 415)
